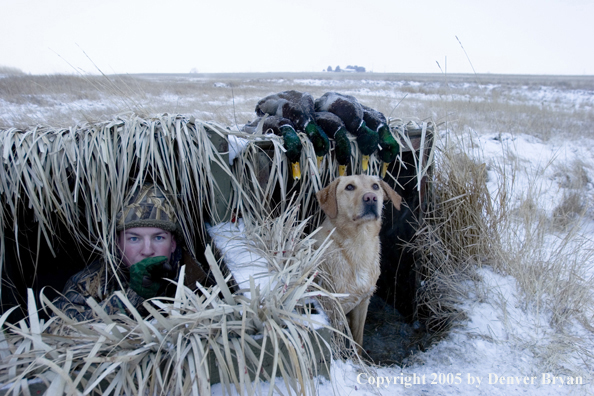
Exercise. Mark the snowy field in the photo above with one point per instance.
(535, 136)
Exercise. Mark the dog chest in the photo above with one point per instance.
(353, 264)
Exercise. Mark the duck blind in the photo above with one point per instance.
(61, 189)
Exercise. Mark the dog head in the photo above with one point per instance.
(357, 198)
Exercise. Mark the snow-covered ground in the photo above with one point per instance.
(506, 346)
(500, 348)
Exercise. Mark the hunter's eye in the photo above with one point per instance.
(375, 186)
(349, 187)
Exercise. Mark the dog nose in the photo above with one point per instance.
(369, 198)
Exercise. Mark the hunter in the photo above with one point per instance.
(150, 252)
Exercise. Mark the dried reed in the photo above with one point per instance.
(79, 176)
(458, 233)
(468, 227)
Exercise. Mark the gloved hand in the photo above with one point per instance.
(146, 276)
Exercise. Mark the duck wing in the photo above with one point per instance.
(270, 124)
(294, 113)
(300, 109)
(373, 118)
(269, 105)
(303, 99)
(275, 123)
(279, 105)
(329, 122)
(334, 127)
(344, 106)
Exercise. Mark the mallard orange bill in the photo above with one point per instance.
(320, 159)
(342, 169)
(365, 163)
(384, 169)
(296, 170)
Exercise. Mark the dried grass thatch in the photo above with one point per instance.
(459, 233)
(80, 176)
(174, 350)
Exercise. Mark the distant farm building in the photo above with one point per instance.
(348, 69)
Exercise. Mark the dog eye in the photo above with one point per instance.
(375, 186)
(349, 187)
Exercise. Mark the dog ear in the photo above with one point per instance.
(391, 194)
(327, 199)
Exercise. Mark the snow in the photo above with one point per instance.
(480, 358)
(236, 146)
(244, 262)
(496, 351)
(537, 163)
(240, 255)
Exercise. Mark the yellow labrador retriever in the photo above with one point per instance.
(353, 208)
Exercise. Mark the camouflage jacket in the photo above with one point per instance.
(98, 282)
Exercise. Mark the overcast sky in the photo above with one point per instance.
(177, 36)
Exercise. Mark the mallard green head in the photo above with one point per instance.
(342, 149)
(333, 126)
(292, 143)
(318, 137)
(367, 139)
(293, 147)
(389, 148)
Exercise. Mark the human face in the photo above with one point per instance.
(138, 243)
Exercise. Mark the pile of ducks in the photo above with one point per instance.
(332, 116)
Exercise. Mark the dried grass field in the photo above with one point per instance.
(508, 241)
(541, 106)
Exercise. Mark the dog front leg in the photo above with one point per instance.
(357, 322)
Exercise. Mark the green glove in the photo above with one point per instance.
(146, 276)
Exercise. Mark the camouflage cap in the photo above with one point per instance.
(147, 207)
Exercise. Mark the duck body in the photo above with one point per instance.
(298, 107)
(373, 118)
(333, 126)
(389, 147)
(276, 106)
(344, 106)
(283, 127)
(305, 102)
(350, 112)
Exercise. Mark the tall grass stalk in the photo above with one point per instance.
(80, 176)
(471, 227)
(171, 351)
(459, 233)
